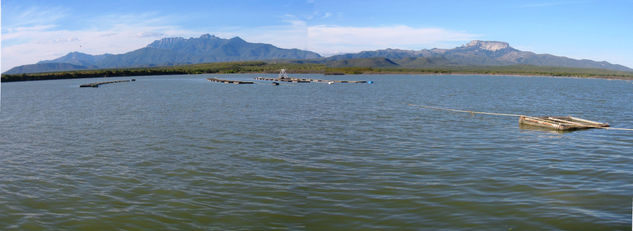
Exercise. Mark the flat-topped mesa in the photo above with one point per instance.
(488, 45)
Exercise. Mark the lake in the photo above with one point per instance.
(182, 153)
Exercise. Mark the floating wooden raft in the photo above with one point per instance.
(561, 123)
(298, 80)
(229, 81)
(107, 82)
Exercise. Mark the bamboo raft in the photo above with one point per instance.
(107, 82)
(560, 123)
(551, 123)
(229, 81)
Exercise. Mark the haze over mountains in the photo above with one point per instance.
(476, 53)
(208, 48)
(171, 51)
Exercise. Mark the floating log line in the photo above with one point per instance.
(229, 81)
(299, 80)
(107, 82)
(471, 112)
(283, 77)
(561, 123)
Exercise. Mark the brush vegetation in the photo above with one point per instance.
(318, 68)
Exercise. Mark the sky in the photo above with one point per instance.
(35, 30)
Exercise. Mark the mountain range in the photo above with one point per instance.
(475, 53)
(208, 48)
(168, 52)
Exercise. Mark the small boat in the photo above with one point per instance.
(561, 123)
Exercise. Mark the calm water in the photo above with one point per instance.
(182, 153)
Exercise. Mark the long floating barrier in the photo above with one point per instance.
(299, 80)
(560, 123)
(229, 81)
(283, 77)
(107, 82)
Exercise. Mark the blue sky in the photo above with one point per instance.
(34, 30)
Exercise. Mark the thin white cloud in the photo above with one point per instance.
(330, 40)
(25, 17)
(16, 32)
(115, 34)
(337, 39)
(29, 44)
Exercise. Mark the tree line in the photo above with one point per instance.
(292, 67)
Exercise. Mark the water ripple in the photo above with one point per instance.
(180, 153)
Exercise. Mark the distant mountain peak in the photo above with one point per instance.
(166, 42)
(237, 38)
(76, 54)
(207, 36)
(488, 45)
(172, 51)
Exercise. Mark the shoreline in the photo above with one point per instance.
(369, 73)
(514, 75)
(262, 68)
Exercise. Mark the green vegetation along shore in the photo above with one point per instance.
(301, 68)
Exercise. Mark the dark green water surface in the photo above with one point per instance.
(183, 153)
